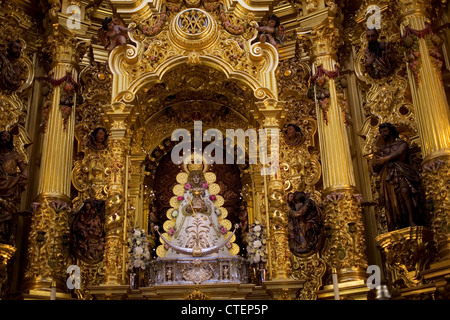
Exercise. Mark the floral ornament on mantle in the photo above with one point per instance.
(257, 244)
(67, 94)
(411, 44)
(138, 250)
(320, 90)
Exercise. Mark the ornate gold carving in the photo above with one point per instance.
(436, 175)
(47, 252)
(195, 34)
(197, 295)
(279, 246)
(299, 164)
(6, 254)
(212, 114)
(88, 175)
(13, 103)
(345, 245)
(115, 212)
(386, 99)
(323, 40)
(292, 82)
(63, 48)
(300, 169)
(407, 252)
(96, 81)
(310, 269)
(149, 27)
(91, 275)
(15, 21)
(193, 21)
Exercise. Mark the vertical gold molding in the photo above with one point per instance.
(345, 247)
(429, 99)
(433, 122)
(333, 138)
(47, 260)
(279, 263)
(58, 145)
(115, 212)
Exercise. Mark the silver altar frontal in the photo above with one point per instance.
(198, 270)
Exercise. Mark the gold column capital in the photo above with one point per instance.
(272, 112)
(63, 47)
(322, 40)
(408, 8)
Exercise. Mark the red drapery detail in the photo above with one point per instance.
(321, 71)
(418, 33)
(67, 78)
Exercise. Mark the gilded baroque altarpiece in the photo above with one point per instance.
(204, 60)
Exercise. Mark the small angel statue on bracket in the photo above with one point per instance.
(113, 33)
(271, 31)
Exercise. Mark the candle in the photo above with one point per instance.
(53, 292)
(335, 284)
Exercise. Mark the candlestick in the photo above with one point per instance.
(335, 284)
(53, 292)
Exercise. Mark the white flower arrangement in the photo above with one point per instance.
(138, 249)
(256, 243)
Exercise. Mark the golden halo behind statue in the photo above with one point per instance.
(224, 213)
(178, 190)
(169, 213)
(219, 201)
(234, 250)
(210, 177)
(168, 225)
(226, 223)
(214, 188)
(182, 178)
(160, 251)
(174, 203)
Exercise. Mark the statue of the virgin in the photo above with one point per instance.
(197, 227)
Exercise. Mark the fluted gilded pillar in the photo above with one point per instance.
(47, 258)
(345, 248)
(432, 113)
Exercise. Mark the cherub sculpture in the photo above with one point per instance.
(271, 31)
(113, 33)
